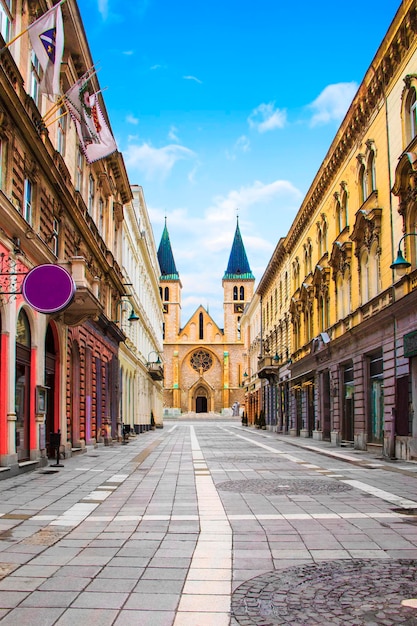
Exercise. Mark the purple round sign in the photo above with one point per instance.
(48, 288)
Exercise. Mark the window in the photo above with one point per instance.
(412, 112)
(364, 277)
(27, 201)
(363, 184)
(201, 326)
(6, 19)
(100, 224)
(80, 172)
(344, 209)
(242, 293)
(201, 361)
(234, 293)
(166, 294)
(55, 236)
(61, 131)
(35, 78)
(91, 192)
(371, 172)
(339, 217)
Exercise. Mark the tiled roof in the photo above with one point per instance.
(238, 266)
(166, 258)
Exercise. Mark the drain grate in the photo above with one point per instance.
(284, 487)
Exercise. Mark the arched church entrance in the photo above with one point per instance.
(201, 399)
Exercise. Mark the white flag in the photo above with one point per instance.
(47, 39)
(94, 135)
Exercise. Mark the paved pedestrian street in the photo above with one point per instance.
(208, 523)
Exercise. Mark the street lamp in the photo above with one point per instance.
(400, 265)
(246, 375)
(158, 360)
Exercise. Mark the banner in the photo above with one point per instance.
(94, 135)
(47, 40)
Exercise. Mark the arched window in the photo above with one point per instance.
(324, 231)
(340, 298)
(166, 294)
(364, 277)
(371, 172)
(339, 217)
(373, 272)
(235, 293)
(242, 293)
(345, 221)
(201, 326)
(363, 184)
(412, 114)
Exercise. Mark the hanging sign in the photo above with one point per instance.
(48, 288)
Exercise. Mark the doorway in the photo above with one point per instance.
(22, 387)
(201, 404)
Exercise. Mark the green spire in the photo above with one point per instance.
(238, 266)
(166, 258)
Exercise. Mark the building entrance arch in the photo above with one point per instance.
(202, 400)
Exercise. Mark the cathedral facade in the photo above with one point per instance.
(204, 364)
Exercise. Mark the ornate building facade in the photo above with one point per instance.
(59, 373)
(204, 364)
(338, 332)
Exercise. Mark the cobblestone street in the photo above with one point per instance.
(207, 523)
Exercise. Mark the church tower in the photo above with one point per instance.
(170, 288)
(238, 286)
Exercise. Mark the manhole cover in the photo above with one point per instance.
(348, 593)
(287, 486)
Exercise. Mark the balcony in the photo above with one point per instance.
(85, 304)
(268, 367)
(155, 368)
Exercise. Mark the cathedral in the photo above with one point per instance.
(204, 364)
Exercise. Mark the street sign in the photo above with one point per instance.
(48, 288)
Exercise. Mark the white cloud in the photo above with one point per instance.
(242, 144)
(128, 53)
(103, 8)
(247, 197)
(131, 119)
(265, 118)
(172, 134)
(155, 162)
(155, 67)
(197, 80)
(332, 103)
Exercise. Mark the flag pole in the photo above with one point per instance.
(56, 119)
(53, 109)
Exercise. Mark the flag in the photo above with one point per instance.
(94, 135)
(47, 40)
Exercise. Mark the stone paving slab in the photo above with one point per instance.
(168, 545)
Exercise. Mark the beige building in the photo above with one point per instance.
(204, 364)
(141, 377)
(335, 314)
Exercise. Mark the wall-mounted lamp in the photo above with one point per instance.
(401, 265)
(158, 359)
(133, 317)
(276, 358)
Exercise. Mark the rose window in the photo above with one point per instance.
(201, 361)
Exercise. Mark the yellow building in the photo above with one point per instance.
(203, 364)
(338, 326)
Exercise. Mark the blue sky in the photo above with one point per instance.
(226, 107)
